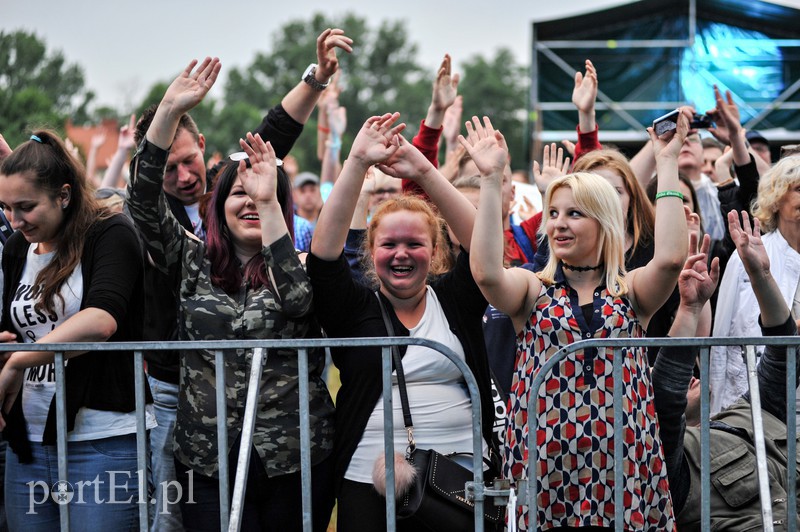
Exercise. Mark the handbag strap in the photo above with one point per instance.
(401, 378)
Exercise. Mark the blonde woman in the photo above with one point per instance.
(583, 292)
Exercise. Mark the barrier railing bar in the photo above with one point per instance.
(222, 439)
(141, 440)
(305, 439)
(246, 440)
(619, 441)
(791, 443)
(526, 494)
(705, 439)
(388, 437)
(61, 437)
(475, 488)
(758, 436)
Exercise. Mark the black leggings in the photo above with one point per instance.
(270, 503)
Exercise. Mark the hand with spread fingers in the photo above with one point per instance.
(259, 178)
(486, 146)
(377, 140)
(748, 243)
(697, 281)
(554, 165)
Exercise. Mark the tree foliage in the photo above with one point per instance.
(497, 87)
(382, 74)
(37, 87)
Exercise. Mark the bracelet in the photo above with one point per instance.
(669, 194)
(323, 129)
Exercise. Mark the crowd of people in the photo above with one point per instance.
(696, 235)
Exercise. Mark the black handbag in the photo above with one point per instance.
(436, 500)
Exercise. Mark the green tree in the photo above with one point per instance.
(381, 75)
(497, 87)
(37, 87)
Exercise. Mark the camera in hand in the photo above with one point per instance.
(669, 122)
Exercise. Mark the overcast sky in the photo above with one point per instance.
(125, 47)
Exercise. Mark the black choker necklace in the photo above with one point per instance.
(580, 268)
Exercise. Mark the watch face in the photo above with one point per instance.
(310, 71)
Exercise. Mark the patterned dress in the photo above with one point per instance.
(575, 470)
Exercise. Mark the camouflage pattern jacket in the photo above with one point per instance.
(206, 312)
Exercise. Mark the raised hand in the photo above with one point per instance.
(748, 243)
(670, 143)
(697, 282)
(451, 123)
(327, 43)
(485, 146)
(726, 116)
(554, 165)
(259, 178)
(337, 119)
(125, 139)
(584, 94)
(191, 86)
(445, 86)
(98, 139)
(377, 140)
(407, 162)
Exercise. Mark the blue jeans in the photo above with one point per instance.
(103, 487)
(165, 516)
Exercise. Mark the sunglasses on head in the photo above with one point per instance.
(242, 156)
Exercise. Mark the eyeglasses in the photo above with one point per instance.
(242, 156)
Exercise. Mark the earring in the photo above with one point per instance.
(64, 205)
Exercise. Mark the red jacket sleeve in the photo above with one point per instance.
(586, 142)
(427, 141)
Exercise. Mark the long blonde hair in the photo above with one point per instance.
(598, 200)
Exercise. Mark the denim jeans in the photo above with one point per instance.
(165, 515)
(103, 486)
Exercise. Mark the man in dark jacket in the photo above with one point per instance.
(735, 501)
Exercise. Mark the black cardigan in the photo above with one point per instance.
(112, 281)
(346, 309)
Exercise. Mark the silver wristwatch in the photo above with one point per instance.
(308, 78)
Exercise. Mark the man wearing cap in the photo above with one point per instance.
(760, 145)
(307, 197)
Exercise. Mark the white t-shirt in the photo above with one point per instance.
(39, 382)
(193, 212)
(437, 397)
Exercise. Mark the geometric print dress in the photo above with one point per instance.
(575, 418)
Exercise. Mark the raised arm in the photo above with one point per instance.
(299, 103)
(376, 141)
(183, 94)
(584, 96)
(125, 144)
(652, 284)
(410, 164)
(756, 263)
(554, 165)
(673, 370)
(726, 116)
(507, 290)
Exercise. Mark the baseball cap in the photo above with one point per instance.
(304, 178)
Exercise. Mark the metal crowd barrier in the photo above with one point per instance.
(231, 514)
(528, 496)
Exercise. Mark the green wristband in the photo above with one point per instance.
(668, 194)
